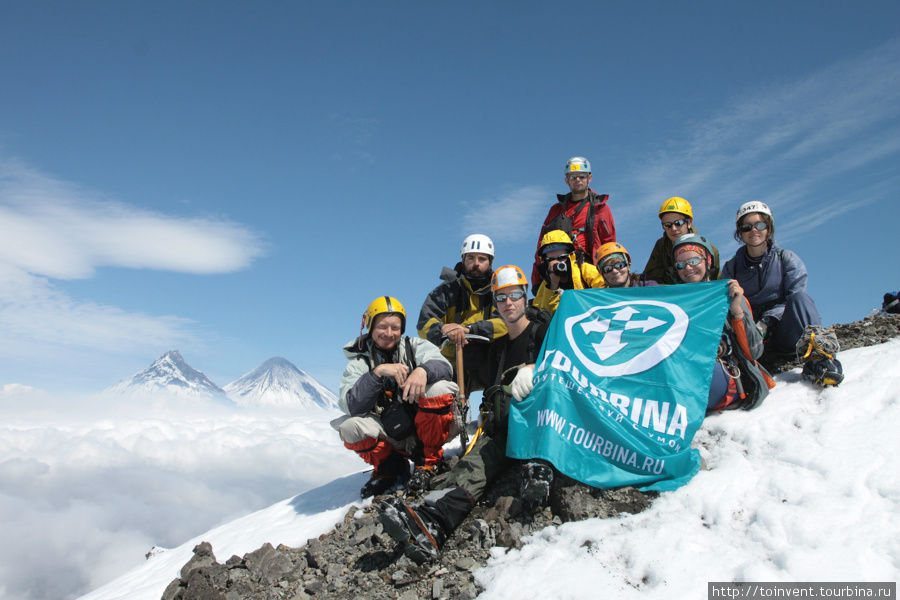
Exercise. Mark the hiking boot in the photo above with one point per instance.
(391, 474)
(418, 532)
(534, 490)
(823, 371)
(421, 479)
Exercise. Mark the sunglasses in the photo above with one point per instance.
(692, 261)
(614, 266)
(571, 176)
(548, 259)
(675, 223)
(517, 295)
(759, 226)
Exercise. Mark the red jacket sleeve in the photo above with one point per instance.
(535, 275)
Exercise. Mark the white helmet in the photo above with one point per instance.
(578, 164)
(754, 206)
(477, 242)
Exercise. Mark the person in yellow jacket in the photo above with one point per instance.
(560, 270)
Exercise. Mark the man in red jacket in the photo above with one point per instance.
(582, 213)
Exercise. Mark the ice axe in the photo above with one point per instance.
(462, 401)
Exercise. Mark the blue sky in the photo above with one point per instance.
(238, 181)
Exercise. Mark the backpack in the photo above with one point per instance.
(750, 382)
(564, 223)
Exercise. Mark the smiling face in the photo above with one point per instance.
(691, 273)
(387, 330)
(615, 277)
(673, 231)
(755, 237)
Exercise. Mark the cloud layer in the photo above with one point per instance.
(91, 495)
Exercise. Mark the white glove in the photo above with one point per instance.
(522, 384)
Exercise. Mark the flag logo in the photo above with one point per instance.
(626, 337)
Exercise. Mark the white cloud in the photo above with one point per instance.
(41, 323)
(787, 143)
(511, 217)
(56, 229)
(50, 229)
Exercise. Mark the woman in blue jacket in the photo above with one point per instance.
(773, 279)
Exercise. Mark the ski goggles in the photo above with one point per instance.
(516, 295)
(691, 262)
(759, 226)
(675, 223)
(608, 267)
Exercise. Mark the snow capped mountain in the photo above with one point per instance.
(170, 374)
(277, 382)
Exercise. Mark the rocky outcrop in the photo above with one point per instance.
(357, 560)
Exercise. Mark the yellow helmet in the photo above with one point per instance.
(610, 248)
(385, 305)
(557, 236)
(678, 205)
(508, 275)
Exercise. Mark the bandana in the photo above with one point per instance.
(692, 248)
(613, 258)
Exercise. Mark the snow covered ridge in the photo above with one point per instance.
(805, 488)
(276, 382)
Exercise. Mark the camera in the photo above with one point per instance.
(560, 268)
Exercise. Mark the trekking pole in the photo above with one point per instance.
(461, 400)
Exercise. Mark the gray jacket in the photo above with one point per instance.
(361, 389)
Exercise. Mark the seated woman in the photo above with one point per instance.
(614, 264)
(774, 281)
(561, 270)
(738, 381)
(677, 219)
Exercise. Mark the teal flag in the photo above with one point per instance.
(621, 385)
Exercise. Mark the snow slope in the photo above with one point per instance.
(278, 382)
(291, 522)
(807, 487)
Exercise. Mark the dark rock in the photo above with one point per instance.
(173, 590)
(203, 557)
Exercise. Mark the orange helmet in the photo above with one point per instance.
(508, 275)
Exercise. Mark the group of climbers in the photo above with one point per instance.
(398, 392)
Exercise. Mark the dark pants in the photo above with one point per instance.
(468, 480)
(799, 311)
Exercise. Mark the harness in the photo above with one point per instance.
(725, 357)
(567, 224)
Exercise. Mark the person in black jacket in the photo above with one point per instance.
(423, 528)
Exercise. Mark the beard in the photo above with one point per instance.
(477, 277)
